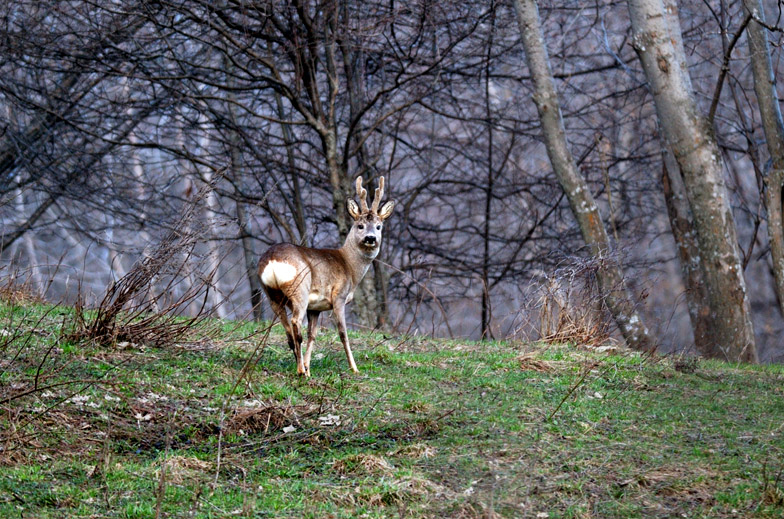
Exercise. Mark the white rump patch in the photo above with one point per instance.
(278, 273)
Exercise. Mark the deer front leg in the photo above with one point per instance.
(312, 331)
(340, 316)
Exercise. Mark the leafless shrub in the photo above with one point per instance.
(17, 287)
(685, 364)
(570, 305)
(130, 311)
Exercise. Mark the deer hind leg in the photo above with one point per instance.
(293, 326)
(312, 331)
(297, 316)
(340, 317)
(278, 303)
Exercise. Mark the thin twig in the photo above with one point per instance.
(725, 68)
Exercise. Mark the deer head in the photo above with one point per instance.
(365, 234)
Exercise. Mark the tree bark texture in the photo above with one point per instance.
(682, 225)
(773, 125)
(697, 154)
(581, 201)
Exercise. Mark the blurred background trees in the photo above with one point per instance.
(113, 115)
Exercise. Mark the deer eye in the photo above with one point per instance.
(360, 227)
(378, 227)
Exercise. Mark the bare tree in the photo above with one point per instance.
(700, 161)
(773, 125)
(279, 105)
(584, 208)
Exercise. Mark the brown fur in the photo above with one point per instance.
(308, 281)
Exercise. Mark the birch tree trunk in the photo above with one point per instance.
(687, 133)
(29, 245)
(210, 213)
(773, 125)
(584, 208)
(144, 237)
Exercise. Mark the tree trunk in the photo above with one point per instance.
(296, 194)
(610, 276)
(682, 223)
(371, 305)
(364, 303)
(251, 264)
(32, 256)
(213, 256)
(687, 133)
(487, 331)
(773, 125)
(144, 237)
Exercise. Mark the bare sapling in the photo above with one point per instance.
(309, 281)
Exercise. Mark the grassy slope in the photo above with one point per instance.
(428, 429)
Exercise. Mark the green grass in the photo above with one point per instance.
(223, 427)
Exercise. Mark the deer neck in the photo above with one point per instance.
(357, 260)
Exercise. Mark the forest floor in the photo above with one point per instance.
(221, 426)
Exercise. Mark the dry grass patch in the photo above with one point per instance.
(31, 434)
(178, 469)
(529, 362)
(414, 451)
(265, 418)
(17, 289)
(772, 495)
(418, 486)
(682, 484)
(362, 464)
(392, 491)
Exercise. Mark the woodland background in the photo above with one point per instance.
(254, 118)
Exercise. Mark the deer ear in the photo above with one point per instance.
(353, 208)
(386, 210)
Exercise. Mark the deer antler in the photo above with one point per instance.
(378, 195)
(362, 194)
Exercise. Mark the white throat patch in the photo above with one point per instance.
(278, 273)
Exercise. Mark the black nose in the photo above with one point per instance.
(370, 240)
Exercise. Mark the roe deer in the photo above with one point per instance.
(310, 281)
